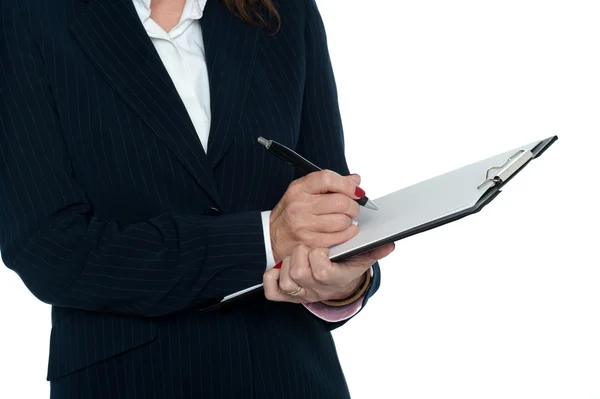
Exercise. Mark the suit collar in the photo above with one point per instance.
(112, 36)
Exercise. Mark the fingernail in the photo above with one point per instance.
(355, 222)
(359, 192)
(278, 266)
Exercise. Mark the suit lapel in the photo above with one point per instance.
(230, 46)
(113, 37)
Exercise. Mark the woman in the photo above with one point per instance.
(135, 197)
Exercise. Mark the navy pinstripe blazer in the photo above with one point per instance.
(111, 211)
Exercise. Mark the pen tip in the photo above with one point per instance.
(371, 205)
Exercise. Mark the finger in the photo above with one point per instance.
(326, 240)
(272, 290)
(300, 269)
(355, 178)
(381, 252)
(326, 204)
(367, 259)
(332, 274)
(327, 181)
(324, 272)
(300, 272)
(298, 258)
(271, 285)
(330, 223)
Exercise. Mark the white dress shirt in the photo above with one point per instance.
(182, 52)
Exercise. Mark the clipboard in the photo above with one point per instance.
(448, 197)
(429, 204)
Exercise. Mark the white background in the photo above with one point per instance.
(502, 304)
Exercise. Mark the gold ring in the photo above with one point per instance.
(295, 292)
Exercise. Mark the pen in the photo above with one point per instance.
(302, 164)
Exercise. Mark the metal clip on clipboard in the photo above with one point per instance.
(507, 169)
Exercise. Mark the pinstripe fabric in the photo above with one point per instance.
(111, 211)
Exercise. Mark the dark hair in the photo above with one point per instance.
(261, 13)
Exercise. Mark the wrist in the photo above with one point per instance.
(357, 293)
(352, 289)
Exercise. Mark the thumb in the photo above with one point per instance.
(369, 258)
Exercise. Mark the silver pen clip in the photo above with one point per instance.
(507, 169)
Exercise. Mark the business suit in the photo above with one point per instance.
(113, 213)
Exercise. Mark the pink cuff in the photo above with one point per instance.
(335, 313)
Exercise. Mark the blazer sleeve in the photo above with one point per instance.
(68, 257)
(321, 134)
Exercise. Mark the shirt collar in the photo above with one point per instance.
(193, 9)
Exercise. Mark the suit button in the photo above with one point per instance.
(212, 211)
